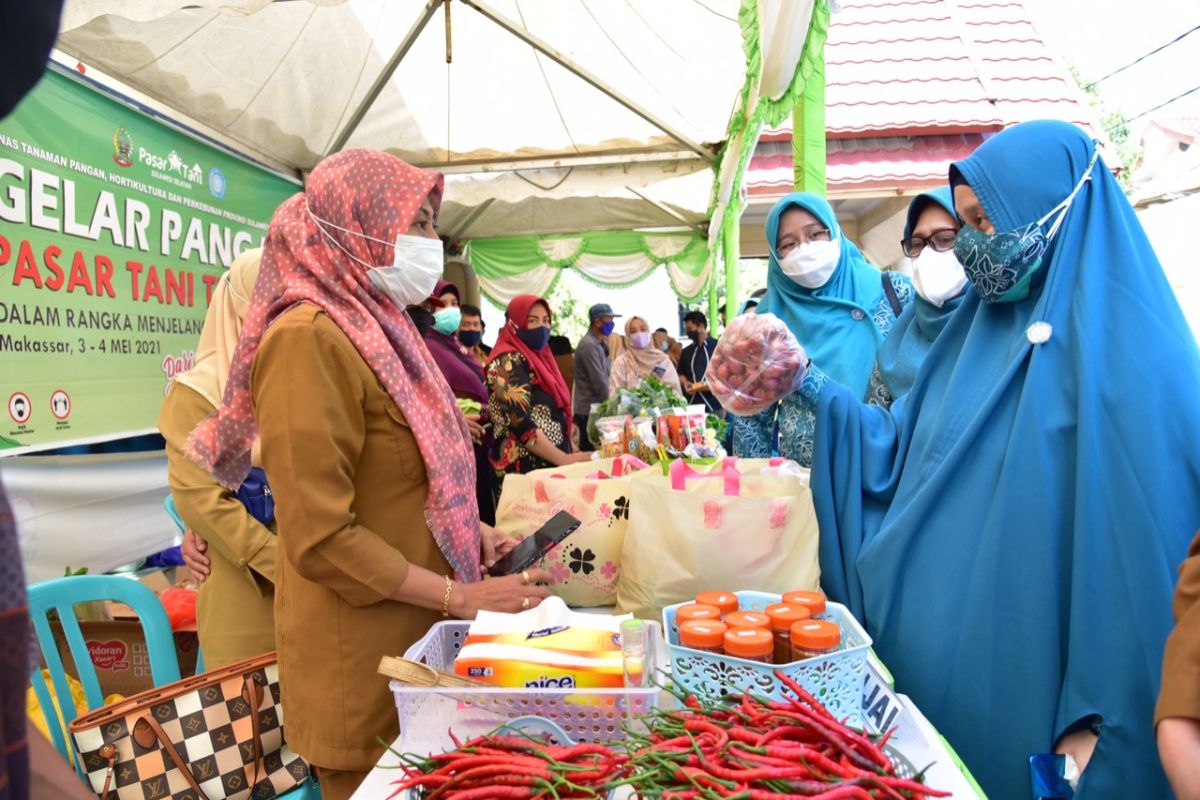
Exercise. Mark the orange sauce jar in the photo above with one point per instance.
(748, 619)
(702, 634)
(696, 611)
(753, 644)
(813, 601)
(815, 637)
(783, 617)
(727, 602)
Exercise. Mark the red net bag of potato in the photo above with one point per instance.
(757, 362)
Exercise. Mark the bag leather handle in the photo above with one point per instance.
(252, 693)
(172, 753)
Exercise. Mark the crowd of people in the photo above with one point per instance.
(975, 470)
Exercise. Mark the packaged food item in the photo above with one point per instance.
(756, 363)
(697, 611)
(753, 644)
(726, 602)
(815, 637)
(706, 635)
(783, 617)
(748, 619)
(813, 601)
(612, 436)
(548, 647)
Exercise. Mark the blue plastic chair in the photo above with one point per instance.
(169, 504)
(61, 596)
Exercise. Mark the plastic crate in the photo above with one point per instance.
(427, 715)
(836, 680)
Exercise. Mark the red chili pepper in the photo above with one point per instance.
(497, 793)
(802, 694)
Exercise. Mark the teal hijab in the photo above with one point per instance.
(1010, 532)
(909, 340)
(835, 322)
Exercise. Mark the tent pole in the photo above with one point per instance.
(543, 47)
(808, 133)
(732, 244)
(385, 75)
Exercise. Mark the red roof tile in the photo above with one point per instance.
(921, 80)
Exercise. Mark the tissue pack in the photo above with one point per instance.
(549, 647)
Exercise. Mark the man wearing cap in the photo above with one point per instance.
(592, 368)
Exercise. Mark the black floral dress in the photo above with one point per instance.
(519, 407)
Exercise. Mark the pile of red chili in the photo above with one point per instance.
(748, 748)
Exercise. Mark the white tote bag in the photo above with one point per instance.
(741, 524)
(587, 564)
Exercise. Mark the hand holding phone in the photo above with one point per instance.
(534, 548)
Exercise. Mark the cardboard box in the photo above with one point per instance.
(117, 645)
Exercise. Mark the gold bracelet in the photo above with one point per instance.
(446, 599)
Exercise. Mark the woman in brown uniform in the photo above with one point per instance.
(235, 611)
(1177, 717)
(369, 458)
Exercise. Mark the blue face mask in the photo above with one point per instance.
(470, 338)
(447, 320)
(1001, 266)
(535, 338)
(607, 328)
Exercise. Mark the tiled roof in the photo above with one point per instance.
(916, 83)
(867, 164)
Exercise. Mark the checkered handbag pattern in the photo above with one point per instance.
(216, 736)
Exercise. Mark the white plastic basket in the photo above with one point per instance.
(836, 680)
(427, 715)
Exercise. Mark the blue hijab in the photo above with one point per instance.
(1010, 531)
(909, 340)
(834, 323)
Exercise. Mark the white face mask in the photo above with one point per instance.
(811, 265)
(417, 265)
(938, 277)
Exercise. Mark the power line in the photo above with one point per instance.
(1139, 60)
(1128, 120)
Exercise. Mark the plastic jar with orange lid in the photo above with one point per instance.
(783, 617)
(727, 602)
(748, 619)
(753, 644)
(696, 611)
(815, 637)
(703, 634)
(813, 601)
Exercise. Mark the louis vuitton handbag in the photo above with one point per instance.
(216, 736)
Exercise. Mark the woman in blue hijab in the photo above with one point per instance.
(1009, 532)
(839, 306)
(940, 283)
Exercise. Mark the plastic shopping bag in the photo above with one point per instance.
(757, 362)
(740, 524)
(586, 565)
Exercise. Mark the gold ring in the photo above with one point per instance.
(524, 603)
(525, 577)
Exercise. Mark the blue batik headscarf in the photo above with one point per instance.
(908, 341)
(834, 323)
(1010, 531)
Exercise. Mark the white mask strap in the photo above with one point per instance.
(1065, 204)
(322, 223)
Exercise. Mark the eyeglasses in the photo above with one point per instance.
(813, 233)
(940, 241)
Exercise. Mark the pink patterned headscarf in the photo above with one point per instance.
(375, 195)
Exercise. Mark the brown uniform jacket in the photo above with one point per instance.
(1180, 694)
(235, 610)
(350, 489)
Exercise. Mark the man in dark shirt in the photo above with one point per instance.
(694, 362)
(592, 368)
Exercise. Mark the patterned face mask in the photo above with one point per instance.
(1001, 266)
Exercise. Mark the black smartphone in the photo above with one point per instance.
(533, 549)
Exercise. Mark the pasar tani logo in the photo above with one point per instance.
(108, 655)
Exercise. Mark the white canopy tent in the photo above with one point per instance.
(548, 116)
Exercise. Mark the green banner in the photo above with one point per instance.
(113, 230)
